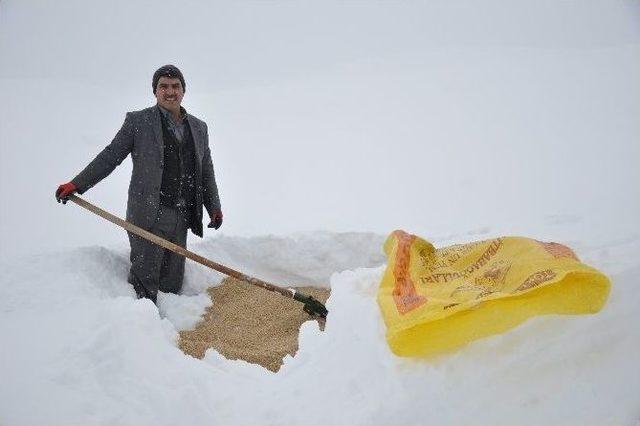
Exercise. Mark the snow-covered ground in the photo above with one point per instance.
(78, 348)
(332, 124)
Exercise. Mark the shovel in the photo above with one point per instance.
(311, 306)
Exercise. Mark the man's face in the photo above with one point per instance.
(169, 93)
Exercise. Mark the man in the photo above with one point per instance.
(172, 179)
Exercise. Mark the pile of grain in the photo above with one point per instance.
(249, 323)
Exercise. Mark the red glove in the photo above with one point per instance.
(64, 190)
(216, 220)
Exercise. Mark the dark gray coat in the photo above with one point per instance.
(141, 136)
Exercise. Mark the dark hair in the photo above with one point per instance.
(170, 71)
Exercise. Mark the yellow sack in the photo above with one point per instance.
(434, 300)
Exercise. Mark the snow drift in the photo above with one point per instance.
(78, 348)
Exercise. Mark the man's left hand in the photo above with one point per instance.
(216, 220)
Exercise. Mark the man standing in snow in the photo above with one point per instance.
(172, 179)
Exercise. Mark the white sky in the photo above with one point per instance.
(360, 116)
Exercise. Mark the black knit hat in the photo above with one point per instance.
(170, 71)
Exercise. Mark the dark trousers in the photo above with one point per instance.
(153, 267)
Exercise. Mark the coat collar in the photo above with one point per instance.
(197, 135)
(157, 128)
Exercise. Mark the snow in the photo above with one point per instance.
(80, 349)
(331, 125)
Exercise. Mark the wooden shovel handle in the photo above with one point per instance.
(179, 250)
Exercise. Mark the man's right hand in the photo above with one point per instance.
(64, 190)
